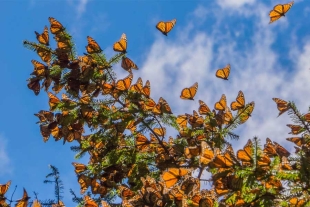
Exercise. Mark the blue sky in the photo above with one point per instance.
(266, 61)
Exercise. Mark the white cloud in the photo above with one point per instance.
(81, 7)
(175, 63)
(234, 4)
(5, 164)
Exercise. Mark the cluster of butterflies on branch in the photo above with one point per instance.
(156, 170)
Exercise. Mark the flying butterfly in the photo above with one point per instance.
(239, 103)
(121, 45)
(166, 27)
(43, 38)
(222, 104)
(56, 26)
(128, 64)
(189, 93)
(223, 73)
(93, 46)
(282, 105)
(279, 10)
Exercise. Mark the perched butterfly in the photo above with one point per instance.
(173, 175)
(223, 72)
(239, 103)
(245, 155)
(56, 26)
(195, 120)
(44, 54)
(147, 89)
(246, 112)
(281, 150)
(142, 143)
(53, 101)
(221, 186)
(279, 10)
(128, 64)
(299, 141)
(84, 182)
(162, 107)
(160, 131)
(269, 148)
(203, 108)
(285, 164)
(4, 188)
(297, 202)
(97, 188)
(88, 202)
(222, 104)
(166, 27)
(93, 46)
(182, 121)
(23, 202)
(124, 84)
(43, 38)
(282, 105)
(39, 68)
(296, 129)
(125, 192)
(207, 154)
(189, 93)
(79, 167)
(34, 85)
(121, 45)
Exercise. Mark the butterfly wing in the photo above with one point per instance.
(166, 27)
(125, 83)
(56, 26)
(223, 73)
(239, 103)
(121, 45)
(44, 37)
(93, 46)
(203, 108)
(221, 105)
(128, 64)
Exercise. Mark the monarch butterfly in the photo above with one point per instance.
(84, 182)
(297, 202)
(128, 64)
(4, 188)
(191, 151)
(264, 162)
(223, 72)
(88, 202)
(279, 10)
(221, 187)
(222, 104)
(207, 154)
(273, 182)
(45, 116)
(282, 105)
(44, 54)
(269, 148)
(203, 108)
(43, 38)
(246, 112)
(53, 101)
(34, 85)
(93, 46)
(224, 161)
(195, 120)
(39, 68)
(281, 150)
(245, 155)
(166, 27)
(189, 93)
(36, 203)
(142, 143)
(173, 175)
(79, 167)
(124, 84)
(147, 89)
(121, 45)
(162, 107)
(160, 131)
(125, 192)
(285, 164)
(296, 129)
(182, 121)
(148, 104)
(56, 26)
(299, 141)
(23, 202)
(239, 103)
(96, 188)
(138, 86)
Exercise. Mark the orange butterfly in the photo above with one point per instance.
(189, 93)
(4, 188)
(166, 27)
(138, 86)
(23, 202)
(36, 203)
(239, 103)
(34, 85)
(56, 26)
(124, 84)
(223, 72)
(282, 105)
(39, 68)
(203, 108)
(44, 54)
(173, 175)
(245, 155)
(281, 150)
(269, 148)
(43, 38)
(93, 46)
(299, 141)
(222, 104)
(142, 143)
(125, 192)
(53, 101)
(296, 129)
(279, 10)
(182, 121)
(121, 45)
(79, 167)
(88, 202)
(207, 154)
(128, 64)
(147, 89)
(162, 107)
